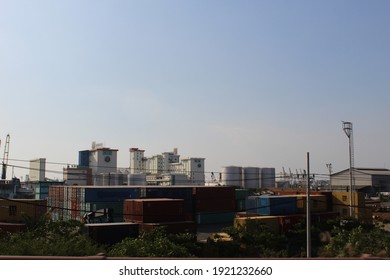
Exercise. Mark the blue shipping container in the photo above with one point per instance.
(110, 194)
(272, 205)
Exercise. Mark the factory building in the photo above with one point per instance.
(37, 169)
(103, 160)
(78, 176)
(137, 161)
(167, 168)
(368, 180)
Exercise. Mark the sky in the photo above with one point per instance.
(246, 83)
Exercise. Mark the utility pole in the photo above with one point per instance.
(308, 218)
(347, 127)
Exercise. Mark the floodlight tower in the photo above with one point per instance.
(347, 127)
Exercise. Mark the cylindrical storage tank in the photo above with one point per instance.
(267, 177)
(231, 176)
(251, 177)
(137, 179)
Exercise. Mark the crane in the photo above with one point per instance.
(5, 157)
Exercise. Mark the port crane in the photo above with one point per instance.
(5, 158)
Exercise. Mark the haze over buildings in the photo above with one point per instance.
(253, 83)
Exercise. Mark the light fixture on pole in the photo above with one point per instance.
(347, 127)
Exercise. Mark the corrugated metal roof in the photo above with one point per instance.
(368, 171)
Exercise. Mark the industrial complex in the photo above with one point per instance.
(168, 191)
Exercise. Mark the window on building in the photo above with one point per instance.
(12, 210)
(344, 198)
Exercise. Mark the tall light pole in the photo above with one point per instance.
(347, 127)
(308, 217)
(329, 166)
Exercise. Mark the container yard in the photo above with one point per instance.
(73, 202)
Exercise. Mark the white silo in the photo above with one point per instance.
(251, 177)
(231, 176)
(267, 177)
(137, 179)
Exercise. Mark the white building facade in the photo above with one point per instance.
(161, 167)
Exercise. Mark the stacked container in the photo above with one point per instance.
(318, 203)
(56, 202)
(182, 192)
(272, 205)
(153, 210)
(241, 197)
(214, 205)
(72, 202)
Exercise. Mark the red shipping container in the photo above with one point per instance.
(153, 210)
(12, 228)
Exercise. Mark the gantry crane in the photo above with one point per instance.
(5, 158)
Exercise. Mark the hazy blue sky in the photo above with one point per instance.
(249, 83)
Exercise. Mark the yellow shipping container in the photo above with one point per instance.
(251, 223)
(362, 214)
(318, 203)
(16, 210)
(343, 198)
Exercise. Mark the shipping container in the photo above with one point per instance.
(171, 192)
(318, 203)
(17, 210)
(12, 227)
(114, 193)
(216, 204)
(241, 194)
(172, 227)
(154, 210)
(272, 205)
(214, 217)
(241, 205)
(362, 214)
(245, 214)
(327, 194)
(204, 192)
(253, 223)
(111, 233)
(343, 198)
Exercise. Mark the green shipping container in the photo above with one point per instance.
(241, 194)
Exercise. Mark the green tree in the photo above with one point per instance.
(353, 239)
(258, 241)
(156, 243)
(49, 238)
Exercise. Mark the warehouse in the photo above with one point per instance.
(369, 180)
